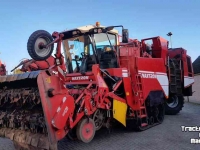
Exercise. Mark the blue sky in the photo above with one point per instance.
(147, 18)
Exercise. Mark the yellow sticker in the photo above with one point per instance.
(48, 80)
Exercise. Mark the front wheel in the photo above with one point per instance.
(174, 105)
(85, 130)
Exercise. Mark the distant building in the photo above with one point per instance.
(196, 85)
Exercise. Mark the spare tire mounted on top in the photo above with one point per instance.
(35, 42)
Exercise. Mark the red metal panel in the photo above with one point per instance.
(50, 105)
(63, 112)
(159, 47)
(183, 53)
(129, 51)
(118, 72)
(128, 91)
(149, 68)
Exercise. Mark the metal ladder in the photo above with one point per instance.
(175, 76)
(142, 112)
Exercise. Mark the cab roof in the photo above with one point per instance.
(82, 30)
(88, 27)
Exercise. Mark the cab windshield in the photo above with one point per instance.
(74, 48)
(102, 42)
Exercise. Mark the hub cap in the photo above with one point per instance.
(87, 131)
(45, 51)
(174, 102)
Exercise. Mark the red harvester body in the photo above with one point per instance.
(101, 79)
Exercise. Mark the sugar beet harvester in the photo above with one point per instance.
(101, 79)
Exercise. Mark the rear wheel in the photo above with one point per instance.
(99, 118)
(86, 130)
(174, 105)
(35, 42)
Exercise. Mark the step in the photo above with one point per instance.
(143, 116)
(142, 107)
(141, 100)
(144, 124)
(173, 84)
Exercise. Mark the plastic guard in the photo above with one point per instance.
(63, 111)
(119, 111)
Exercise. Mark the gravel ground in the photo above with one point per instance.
(166, 136)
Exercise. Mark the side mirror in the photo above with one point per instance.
(109, 28)
(125, 36)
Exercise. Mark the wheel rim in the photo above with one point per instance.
(87, 130)
(44, 51)
(174, 102)
(98, 118)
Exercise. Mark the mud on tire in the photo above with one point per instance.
(174, 105)
(36, 39)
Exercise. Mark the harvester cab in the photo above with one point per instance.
(96, 46)
(99, 79)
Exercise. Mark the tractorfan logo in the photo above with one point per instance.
(195, 140)
(148, 75)
(80, 78)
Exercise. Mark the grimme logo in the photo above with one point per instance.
(192, 129)
(65, 111)
(148, 75)
(80, 78)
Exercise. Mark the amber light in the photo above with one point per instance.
(97, 24)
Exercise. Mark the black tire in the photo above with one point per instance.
(132, 125)
(39, 36)
(171, 109)
(159, 118)
(72, 134)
